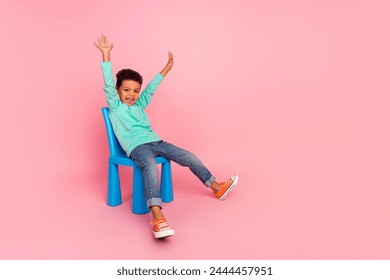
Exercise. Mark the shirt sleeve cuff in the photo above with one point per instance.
(159, 77)
(105, 64)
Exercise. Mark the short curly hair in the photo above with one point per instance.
(127, 74)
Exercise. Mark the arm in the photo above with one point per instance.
(109, 82)
(146, 95)
(169, 65)
(148, 92)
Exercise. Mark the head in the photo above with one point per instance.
(128, 85)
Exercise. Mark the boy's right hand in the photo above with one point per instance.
(104, 47)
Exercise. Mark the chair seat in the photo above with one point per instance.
(125, 160)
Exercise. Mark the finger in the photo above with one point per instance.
(111, 46)
(99, 43)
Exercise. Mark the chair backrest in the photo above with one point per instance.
(115, 147)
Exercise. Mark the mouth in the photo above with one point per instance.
(129, 100)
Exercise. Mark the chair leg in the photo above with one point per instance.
(139, 203)
(166, 188)
(114, 196)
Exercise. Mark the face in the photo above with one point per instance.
(129, 92)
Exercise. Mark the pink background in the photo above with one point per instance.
(291, 95)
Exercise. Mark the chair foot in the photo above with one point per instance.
(139, 203)
(166, 188)
(114, 196)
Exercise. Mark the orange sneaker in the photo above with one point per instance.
(161, 228)
(226, 187)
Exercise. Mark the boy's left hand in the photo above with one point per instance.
(169, 64)
(170, 61)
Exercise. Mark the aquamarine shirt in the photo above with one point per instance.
(130, 123)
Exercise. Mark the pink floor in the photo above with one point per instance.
(309, 199)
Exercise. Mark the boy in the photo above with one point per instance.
(133, 130)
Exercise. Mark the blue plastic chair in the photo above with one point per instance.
(119, 157)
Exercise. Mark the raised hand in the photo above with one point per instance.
(169, 65)
(103, 45)
(170, 60)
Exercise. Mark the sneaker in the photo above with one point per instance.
(161, 228)
(226, 187)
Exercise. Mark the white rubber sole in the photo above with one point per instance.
(163, 233)
(235, 180)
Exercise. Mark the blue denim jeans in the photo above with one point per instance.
(144, 156)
